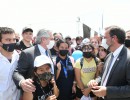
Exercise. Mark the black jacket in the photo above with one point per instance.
(118, 83)
(25, 64)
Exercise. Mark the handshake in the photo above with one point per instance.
(99, 91)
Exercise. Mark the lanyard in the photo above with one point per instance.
(64, 67)
(45, 94)
(65, 72)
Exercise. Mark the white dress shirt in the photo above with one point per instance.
(115, 54)
(8, 89)
(42, 51)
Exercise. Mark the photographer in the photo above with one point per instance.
(46, 88)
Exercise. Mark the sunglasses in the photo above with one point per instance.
(87, 49)
(56, 39)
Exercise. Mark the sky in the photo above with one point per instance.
(62, 15)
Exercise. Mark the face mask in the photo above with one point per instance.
(47, 76)
(63, 52)
(9, 47)
(87, 54)
(127, 43)
(51, 44)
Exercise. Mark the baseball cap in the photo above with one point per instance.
(26, 29)
(67, 37)
(41, 60)
(85, 41)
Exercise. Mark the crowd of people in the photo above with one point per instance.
(50, 67)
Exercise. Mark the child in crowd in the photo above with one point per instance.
(46, 88)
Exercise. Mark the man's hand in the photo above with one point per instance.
(99, 91)
(27, 85)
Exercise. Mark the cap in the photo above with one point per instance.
(41, 60)
(68, 37)
(26, 29)
(85, 41)
(103, 44)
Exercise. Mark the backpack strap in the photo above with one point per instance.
(95, 58)
(81, 62)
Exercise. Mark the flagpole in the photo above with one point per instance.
(78, 21)
(102, 21)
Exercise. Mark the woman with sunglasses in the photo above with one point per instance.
(85, 71)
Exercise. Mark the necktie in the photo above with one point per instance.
(46, 52)
(107, 69)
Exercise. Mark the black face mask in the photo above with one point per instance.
(9, 47)
(63, 52)
(47, 76)
(127, 43)
(87, 54)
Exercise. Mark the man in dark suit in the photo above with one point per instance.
(115, 82)
(25, 66)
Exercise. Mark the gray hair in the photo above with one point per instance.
(42, 33)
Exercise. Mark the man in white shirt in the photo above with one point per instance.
(115, 82)
(8, 62)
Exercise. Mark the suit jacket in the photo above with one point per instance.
(118, 83)
(25, 64)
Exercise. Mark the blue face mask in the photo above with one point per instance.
(9, 47)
